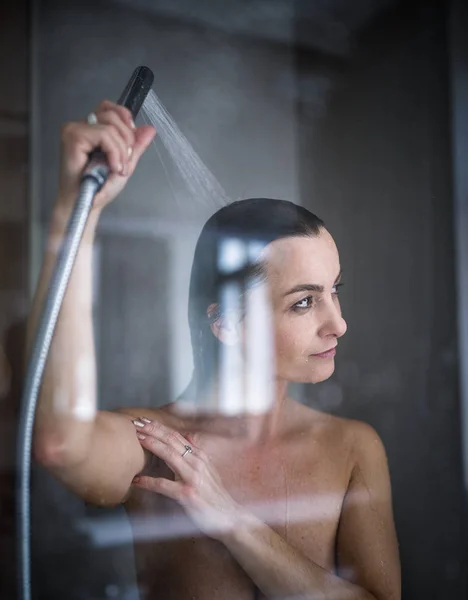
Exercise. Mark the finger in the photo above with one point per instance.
(124, 112)
(113, 147)
(191, 439)
(118, 141)
(166, 434)
(80, 138)
(112, 117)
(160, 485)
(173, 458)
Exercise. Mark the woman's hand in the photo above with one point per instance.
(116, 135)
(197, 487)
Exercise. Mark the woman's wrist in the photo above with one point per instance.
(62, 211)
(59, 219)
(242, 523)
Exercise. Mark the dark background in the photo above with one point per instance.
(354, 110)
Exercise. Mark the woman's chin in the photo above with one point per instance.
(319, 374)
(307, 371)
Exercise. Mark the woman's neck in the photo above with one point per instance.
(204, 409)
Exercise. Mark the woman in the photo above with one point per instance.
(283, 501)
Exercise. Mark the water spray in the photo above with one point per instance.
(94, 177)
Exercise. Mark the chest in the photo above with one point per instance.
(298, 493)
(297, 490)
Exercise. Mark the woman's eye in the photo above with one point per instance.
(304, 303)
(310, 301)
(336, 287)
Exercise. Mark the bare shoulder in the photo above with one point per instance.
(367, 452)
(360, 436)
(323, 425)
(355, 439)
(364, 440)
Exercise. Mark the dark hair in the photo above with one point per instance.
(258, 220)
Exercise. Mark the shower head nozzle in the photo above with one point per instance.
(136, 90)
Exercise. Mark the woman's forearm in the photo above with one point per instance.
(67, 400)
(279, 570)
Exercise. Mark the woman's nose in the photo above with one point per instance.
(333, 322)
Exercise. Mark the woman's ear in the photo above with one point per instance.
(225, 327)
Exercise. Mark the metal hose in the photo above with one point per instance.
(40, 350)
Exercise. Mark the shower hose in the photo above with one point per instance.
(94, 177)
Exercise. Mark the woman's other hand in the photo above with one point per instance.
(197, 486)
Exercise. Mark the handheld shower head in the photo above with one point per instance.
(132, 98)
(136, 90)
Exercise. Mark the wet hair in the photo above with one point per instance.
(254, 221)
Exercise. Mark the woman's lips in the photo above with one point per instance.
(327, 354)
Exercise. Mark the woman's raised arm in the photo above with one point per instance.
(71, 438)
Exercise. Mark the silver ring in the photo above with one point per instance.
(92, 118)
(188, 450)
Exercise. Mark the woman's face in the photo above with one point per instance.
(302, 275)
